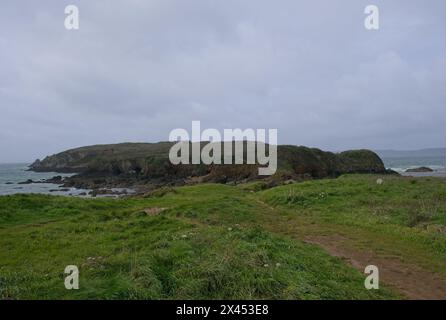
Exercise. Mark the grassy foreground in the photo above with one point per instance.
(223, 242)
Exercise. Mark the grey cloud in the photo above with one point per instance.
(137, 69)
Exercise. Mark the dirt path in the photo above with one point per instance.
(408, 279)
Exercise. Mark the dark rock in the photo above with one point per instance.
(29, 181)
(420, 169)
(56, 180)
(60, 190)
(392, 172)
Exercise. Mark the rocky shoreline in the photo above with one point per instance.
(145, 167)
(65, 184)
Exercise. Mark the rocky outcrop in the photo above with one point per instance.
(114, 158)
(360, 161)
(420, 169)
(130, 164)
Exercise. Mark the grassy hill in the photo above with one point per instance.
(307, 240)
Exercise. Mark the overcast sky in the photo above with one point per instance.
(137, 69)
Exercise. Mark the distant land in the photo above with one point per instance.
(422, 153)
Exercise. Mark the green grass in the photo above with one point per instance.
(403, 216)
(218, 241)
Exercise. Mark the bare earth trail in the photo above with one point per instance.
(406, 277)
(410, 280)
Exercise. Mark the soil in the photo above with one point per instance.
(410, 280)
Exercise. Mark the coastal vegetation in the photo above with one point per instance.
(147, 166)
(302, 240)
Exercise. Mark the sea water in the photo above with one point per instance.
(401, 164)
(12, 174)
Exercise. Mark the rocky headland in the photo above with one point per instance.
(146, 166)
